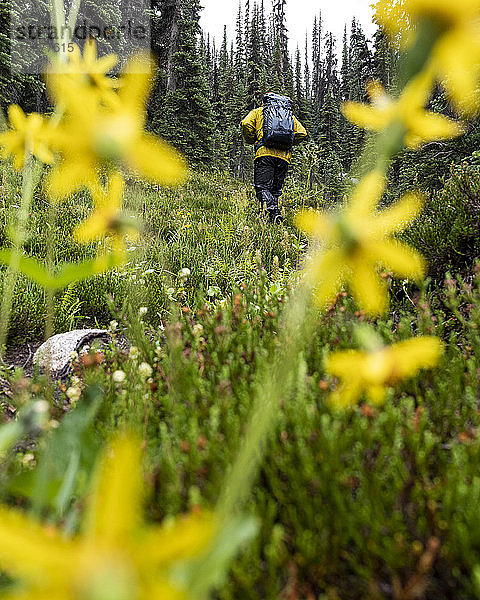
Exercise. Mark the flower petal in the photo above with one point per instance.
(92, 229)
(314, 223)
(376, 394)
(115, 507)
(346, 395)
(343, 363)
(29, 550)
(429, 126)
(180, 539)
(19, 160)
(366, 195)
(69, 176)
(399, 215)
(17, 117)
(157, 161)
(366, 117)
(136, 81)
(414, 354)
(90, 52)
(43, 153)
(456, 58)
(375, 90)
(106, 64)
(326, 273)
(366, 287)
(397, 257)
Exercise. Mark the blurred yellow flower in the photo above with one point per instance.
(391, 16)
(92, 137)
(356, 240)
(87, 72)
(116, 556)
(455, 56)
(370, 373)
(28, 134)
(107, 218)
(418, 126)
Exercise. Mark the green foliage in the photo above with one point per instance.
(351, 504)
(66, 459)
(25, 89)
(348, 504)
(446, 233)
(210, 226)
(185, 115)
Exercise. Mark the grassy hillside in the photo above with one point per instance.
(210, 226)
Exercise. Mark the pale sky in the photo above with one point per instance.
(300, 15)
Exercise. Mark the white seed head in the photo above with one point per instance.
(145, 370)
(197, 329)
(133, 353)
(73, 394)
(118, 376)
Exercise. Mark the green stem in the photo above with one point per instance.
(57, 14)
(49, 292)
(31, 176)
(414, 60)
(272, 390)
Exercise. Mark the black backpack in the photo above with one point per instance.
(278, 124)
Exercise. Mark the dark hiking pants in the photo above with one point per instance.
(269, 175)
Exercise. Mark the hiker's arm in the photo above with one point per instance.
(249, 127)
(300, 132)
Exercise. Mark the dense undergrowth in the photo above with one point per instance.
(372, 503)
(211, 226)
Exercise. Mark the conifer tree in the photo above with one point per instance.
(186, 117)
(308, 83)
(255, 62)
(281, 33)
(357, 68)
(328, 126)
(17, 84)
(345, 68)
(384, 59)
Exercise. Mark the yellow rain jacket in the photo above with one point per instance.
(252, 129)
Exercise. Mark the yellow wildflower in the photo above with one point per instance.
(390, 15)
(93, 137)
(107, 219)
(87, 72)
(356, 240)
(455, 55)
(115, 556)
(419, 126)
(28, 134)
(370, 373)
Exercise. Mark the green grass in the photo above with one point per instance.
(210, 226)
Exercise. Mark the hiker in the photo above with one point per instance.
(274, 130)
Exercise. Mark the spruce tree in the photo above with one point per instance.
(384, 59)
(186, 116)
(17, 84)
(329, 118)
(256, 80)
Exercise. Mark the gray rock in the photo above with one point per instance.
(54, 355)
